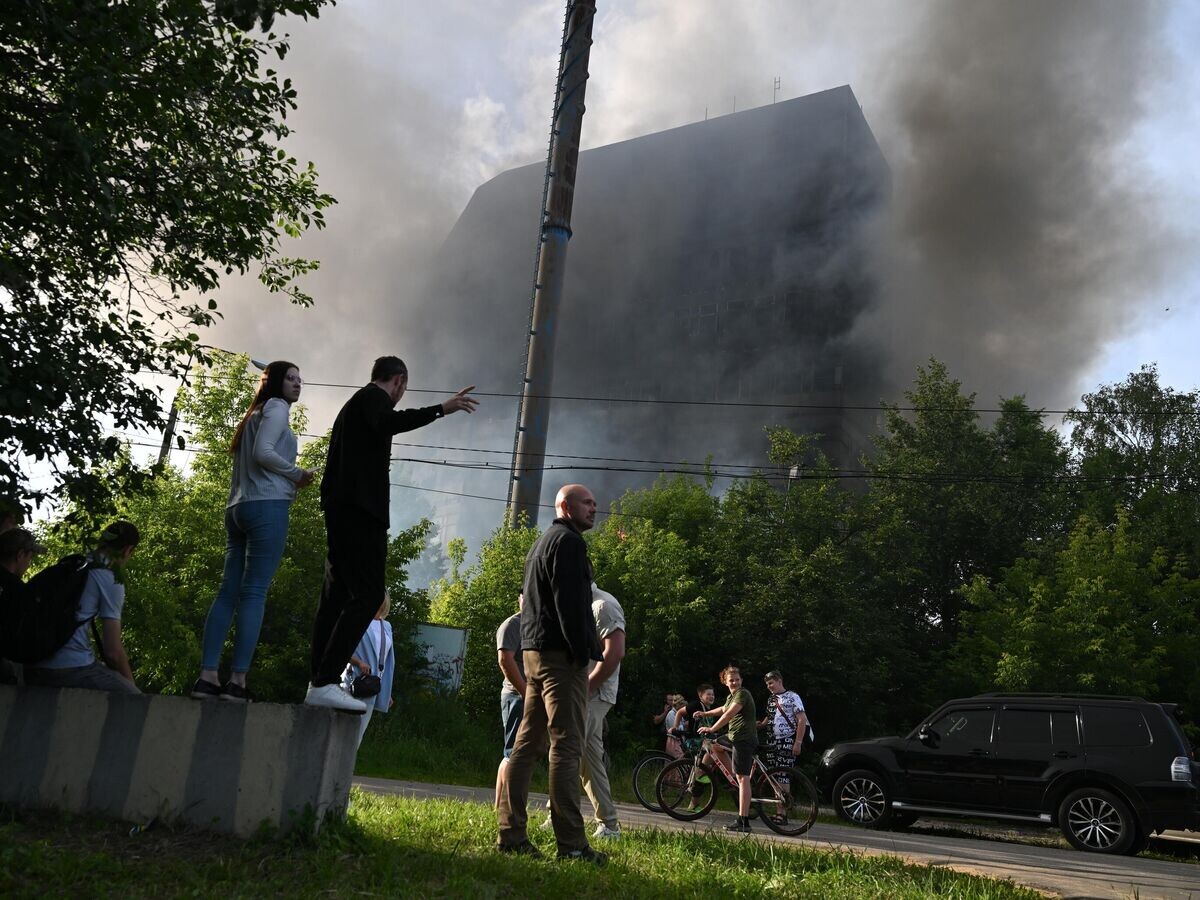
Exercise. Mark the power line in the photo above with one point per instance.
(826, 407)
(932, 478)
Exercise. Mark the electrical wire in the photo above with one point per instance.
(827, 407)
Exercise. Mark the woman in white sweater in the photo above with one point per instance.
(265, 479)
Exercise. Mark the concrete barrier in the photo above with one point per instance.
(222, 766)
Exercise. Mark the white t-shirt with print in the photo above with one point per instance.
(788, 707)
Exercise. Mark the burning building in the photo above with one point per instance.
(714, 278)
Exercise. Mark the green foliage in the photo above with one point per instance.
(1108, 614)
(1138, 446)
(173, 577)
(479, 598)
(140, 162)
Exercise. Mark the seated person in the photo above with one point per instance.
(18, 547)
(74, 664)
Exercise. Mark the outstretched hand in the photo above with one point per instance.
(461, 400)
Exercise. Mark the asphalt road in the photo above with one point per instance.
(1058, 872)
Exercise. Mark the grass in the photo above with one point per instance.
(398, 847)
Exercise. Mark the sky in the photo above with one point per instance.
(407, 110)
(1072, 126)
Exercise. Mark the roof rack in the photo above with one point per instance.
(1033, 695)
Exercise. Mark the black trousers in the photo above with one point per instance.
(355, 581)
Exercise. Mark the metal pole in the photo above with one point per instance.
(533, 412)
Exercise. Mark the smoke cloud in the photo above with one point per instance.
(1024, 230)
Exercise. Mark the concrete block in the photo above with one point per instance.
(222, 766)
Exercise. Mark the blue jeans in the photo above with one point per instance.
(255, 533)
(512, 708)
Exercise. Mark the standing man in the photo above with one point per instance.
(512, 694)
(785, 713)
(602, 696)
(354, 496)
(558, 635)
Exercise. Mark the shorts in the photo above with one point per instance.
(743, 754)
(512, 708)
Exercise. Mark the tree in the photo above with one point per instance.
(139, 161)
(479, 598)
(1137, 446)
(174, 575)
(1108, 614)
(951, 499)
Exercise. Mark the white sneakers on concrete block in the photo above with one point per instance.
(333, 696)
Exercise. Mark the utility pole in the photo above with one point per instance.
(558, 194)
(164, 452)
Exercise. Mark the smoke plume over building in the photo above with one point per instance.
(723, 262)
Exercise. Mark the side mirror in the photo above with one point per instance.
(928, 736)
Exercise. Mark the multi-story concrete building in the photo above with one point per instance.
(726, 261)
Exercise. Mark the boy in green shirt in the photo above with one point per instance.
(740, 715)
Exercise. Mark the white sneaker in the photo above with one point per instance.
(334, 697)
(603, 831)
(547, 823)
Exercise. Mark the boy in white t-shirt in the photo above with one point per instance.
(785, 713)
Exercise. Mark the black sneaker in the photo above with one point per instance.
(205, 690)
(595, 857)
(522, 849)
(739, 826)
(235, 693)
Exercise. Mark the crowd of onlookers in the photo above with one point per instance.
(560, 652)
(352, 655)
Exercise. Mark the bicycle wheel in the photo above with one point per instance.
(645, 774)
(681, 792)
(788, 802)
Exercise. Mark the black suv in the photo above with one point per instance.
(1108, 771)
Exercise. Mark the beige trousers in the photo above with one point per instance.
(591, 767)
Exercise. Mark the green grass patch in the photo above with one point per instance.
(399, 847)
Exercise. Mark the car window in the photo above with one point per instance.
(1023, 726)
(964, 728)
(1114, 726)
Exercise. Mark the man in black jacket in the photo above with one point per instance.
(354, 496)
(558, 637)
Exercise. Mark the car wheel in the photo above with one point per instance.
(862, 797)
(1098, 821)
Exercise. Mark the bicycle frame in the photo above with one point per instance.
(755, 767)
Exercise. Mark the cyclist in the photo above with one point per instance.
(740, 742)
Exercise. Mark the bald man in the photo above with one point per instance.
(559, 644)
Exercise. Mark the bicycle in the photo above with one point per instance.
(784, 797)
(645, 774)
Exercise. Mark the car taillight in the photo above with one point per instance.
(1181, 769)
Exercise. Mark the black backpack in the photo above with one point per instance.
(38, 617)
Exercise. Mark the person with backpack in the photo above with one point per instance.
(261, 491)
(74, 664)
(18, 547)
(789, 722)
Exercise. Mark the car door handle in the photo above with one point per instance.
(1063, 754)
(977, 752)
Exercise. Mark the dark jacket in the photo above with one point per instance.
(356, 472)
(558, 595)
